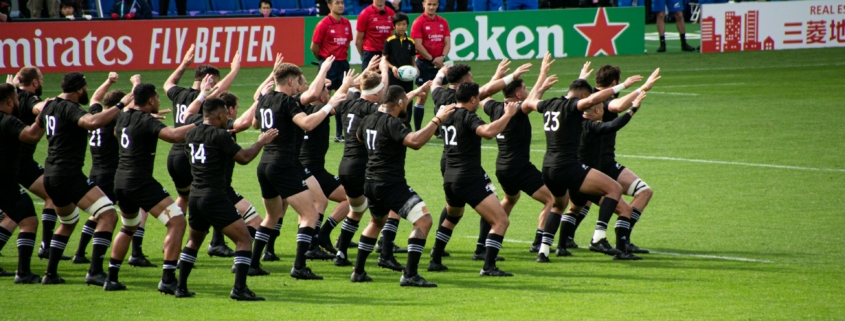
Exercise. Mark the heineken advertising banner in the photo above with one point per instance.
(530, 34)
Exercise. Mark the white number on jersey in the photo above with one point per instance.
(198, 154)
(371, 139)
(351, 119)
(51, 125)
(552, 123)
(124, 139)
(267, 119)
(500, 136)
(449, 134)
(181, 113)
(96, 138)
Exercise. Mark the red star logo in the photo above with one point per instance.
(601, 34)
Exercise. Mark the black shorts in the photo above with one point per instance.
(427, 72)
(612, 169)
(335, 74)
(568, 177)
(443, 171)
(106, 183)
(458, 194)
(144, 195)
(385, 197)
(64, 190)
(328, 182)
(180, 170)
(16, 203)
(211, 211)
(280, 181)
(580, 199)
(233, 196)
(353, 184)
(28, 172)
(528, 179)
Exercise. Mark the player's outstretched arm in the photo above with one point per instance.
(535, 95)
(316, 87)
(246, 155)
(420, 90)
(617, 124)
(417, 139)
(207, 90)
(245, 120)
(104, 88)
(622, 104)
(349, 79)
(94, 121)
(489, 131)
(227, 81)
(498, 85)
(309, 122)
(31, 134)
(174, 78)
(605, 94)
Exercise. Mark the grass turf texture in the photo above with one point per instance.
(745, 241)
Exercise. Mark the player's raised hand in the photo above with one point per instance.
(188, 59)
(10, 79)
(349, 77)
(135, 80)
(279, 60)
(236, 61)
(632, 80)
(511, 108)
(268, 87)
(549, 83)
(113, 77)
(502, 70)
(267, 136)
(327, 64)
(585, 71)
(375, 62)
(638, 100)
(128, 99)
(443, 70)
(160, 114)
(547, 63)
(337, 98)
(655, 76)
(207, 86)
(445, 111)
(521, 70)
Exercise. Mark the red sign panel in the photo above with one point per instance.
(148, 44)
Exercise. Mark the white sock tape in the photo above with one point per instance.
(417, 212)
(131, 222)
(171, 211)
(360, 208)
(71, 218)
(101, 206)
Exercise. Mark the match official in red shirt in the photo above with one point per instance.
(433, 40)
(331, 38)
(375, 24)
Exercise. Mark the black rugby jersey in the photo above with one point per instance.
(590, 152)
(65, 139)
(462, 146)
(137, 135)
(182, 98)
(383, 136)
(103, 145)
(352, 112)
(315, 143)
(27, 101)
(276, 110)
(10, 146)
(210, 150)
(515, 141)
(562, 124)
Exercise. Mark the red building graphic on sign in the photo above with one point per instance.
(710, 41)
(769, 44)
(733, 32)
(752, 25)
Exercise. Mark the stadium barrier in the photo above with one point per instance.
(752, 26)
(530, 34)
(105, 45)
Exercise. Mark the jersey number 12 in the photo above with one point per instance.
(449, 134)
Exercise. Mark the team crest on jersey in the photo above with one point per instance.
(427, 28)
(331, 31)
(303, 184)
(336, 178)
(487, 187)
(585, 167)
(618, 166)
(410, 190)
(307, 172)
(441, 27)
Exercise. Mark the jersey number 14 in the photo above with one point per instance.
(198, 153)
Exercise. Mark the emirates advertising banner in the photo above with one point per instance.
(751, 26)
(530, 34)
(147, 44)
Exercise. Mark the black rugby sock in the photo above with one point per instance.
(567, 229)
(347, 231)
(303, 241)
(242, 263)
(187, 260)
(494, 244)
(216, 237)
(271, 243)
(623, 230)
(483, 230)
(366, 245)
(57, 248)
(415, 250)
(552, 223)
(4, 236)
(635, 217)
(441, 239)
(388, 236)
(262, 236)
(326, 229)
(26, 244)
(85, 238)
(538, 236)
(168, 271)
(315, 240)
(102, 241)
(114, 269)
(138, 242)
(48, 222)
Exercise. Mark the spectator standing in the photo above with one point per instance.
(35, 7)
(133, 8)
(331, 38)
(432, 40)
(375, 25)
(181, 7)
(676, 8)
(265, 7)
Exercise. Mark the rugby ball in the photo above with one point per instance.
(407, 73)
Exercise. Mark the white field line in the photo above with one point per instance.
(705, 85)
(703, 256)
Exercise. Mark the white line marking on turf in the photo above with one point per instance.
(705, 85)
(703, 256)
(705, 161)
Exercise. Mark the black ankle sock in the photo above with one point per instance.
(187, 260)
(494, 244)
(48, 223)
(552, 223)
(216, 237)
(26, 244)
(114, 269)
(567, 229)
(388, 234)
(347, 231)
(168, 271)
(102, 241)
(483, 230)
(271, 243)
(57, 248)
(262, 236)
(5, 235)
(415, 250)
(538, 236)
(138, 242)
(85, 238)
(303, 242)
(442, 238)
(242, 263)
(623, 230)
(366, 245)
(662, 40)
(683, 38)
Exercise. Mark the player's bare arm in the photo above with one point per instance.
(622, 104)
(227, 81)
(174, 78)
(309, 122)
(31, 134)
(498, 85)
(584, 104)
(246, 155)
(489, 131)
(104, 88)
(313, 92)
(534, 96)
(417, 139)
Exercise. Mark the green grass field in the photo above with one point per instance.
(743, 150)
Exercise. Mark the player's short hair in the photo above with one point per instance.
(73, 81)
(143, 93)
(286, 71)
(7, 91)
(112, 98)
(27, 75)
(393, 94)
(466, 91)
(229, 98)
(511, 88)
(265, 1)
(370, 80)
(581, 85)
(203, 70)
(399, 17)
(457, 72)
(212, 106)
(607, 74)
